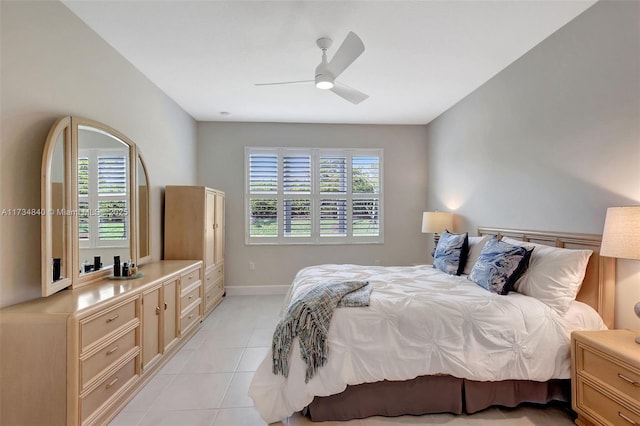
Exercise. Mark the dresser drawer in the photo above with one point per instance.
(98, 326)
(108, 388)
(603, 408)
(190, 277)
(609, 371)
(189, 295)
(213, 275)
(214, 293)
(189, 317)
(107, 356)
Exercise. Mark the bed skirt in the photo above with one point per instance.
(433, 394)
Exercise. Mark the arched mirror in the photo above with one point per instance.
(105, 194)
(144, 240)
(56, 206)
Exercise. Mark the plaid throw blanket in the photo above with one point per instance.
(308, 317)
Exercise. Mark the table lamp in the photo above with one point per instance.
(621, 237)
(436, 223)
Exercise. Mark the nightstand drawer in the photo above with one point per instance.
(609, 371)
(605, 409)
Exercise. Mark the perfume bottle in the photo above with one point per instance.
(125, 269)
(116, 266)
(56, 269)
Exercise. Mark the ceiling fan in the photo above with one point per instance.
(327, 71)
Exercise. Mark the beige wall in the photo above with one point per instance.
(553, 140)
(221, 166)
(53, 65)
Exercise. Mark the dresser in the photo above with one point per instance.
(605, 377)
(78, 356)
(194, 229)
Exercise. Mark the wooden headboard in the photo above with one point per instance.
(598, 287)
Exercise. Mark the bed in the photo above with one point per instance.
(390, 358)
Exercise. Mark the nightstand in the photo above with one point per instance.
(605, 377)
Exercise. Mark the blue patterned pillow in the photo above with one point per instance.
(451, 253)
(499, 266)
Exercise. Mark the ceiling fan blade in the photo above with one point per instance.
(349, 50)
(349, 93)
(284, 82)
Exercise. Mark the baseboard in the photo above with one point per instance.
(255, 290)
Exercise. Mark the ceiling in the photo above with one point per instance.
(421, 57)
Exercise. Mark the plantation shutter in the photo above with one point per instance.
(83, 176)
(333, 181)
(263, 174)
(263, 179)
(313, 196)
(112, 201)
(333, 174)
(365, 209)
(112, 175)
(83, 198)
(296, 174)
(296, 186)
(83, 220)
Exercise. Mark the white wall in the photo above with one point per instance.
(553, 140)
(53, 65)
(221, 166)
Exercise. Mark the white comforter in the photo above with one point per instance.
(421, 322)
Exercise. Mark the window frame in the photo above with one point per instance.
(315, 196)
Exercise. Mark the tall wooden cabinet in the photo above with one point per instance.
(194, 229)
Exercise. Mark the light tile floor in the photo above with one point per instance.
(207, 381)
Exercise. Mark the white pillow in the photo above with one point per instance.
(554, 275)
(475, 248)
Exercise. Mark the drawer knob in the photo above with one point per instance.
(628, 380)
(113, 318)
(190, 316)
(627, 419)
(110, 351)
(190, 296)
(111, 383)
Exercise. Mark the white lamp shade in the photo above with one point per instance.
(621, 235)
(437, 222)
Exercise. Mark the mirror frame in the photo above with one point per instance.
(69, 126)
(60, 127)
(142, 259)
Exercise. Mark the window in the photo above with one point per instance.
(313, 196)
(102, 198)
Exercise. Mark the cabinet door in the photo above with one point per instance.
(170, 313)
(209, 238)
(219, 228)
(151, 338)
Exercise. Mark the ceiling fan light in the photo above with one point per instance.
(324, 85)
(324, 79)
